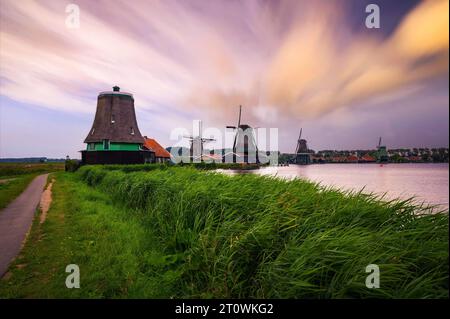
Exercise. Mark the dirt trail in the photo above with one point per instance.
(46, 201)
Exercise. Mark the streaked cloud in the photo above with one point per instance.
(282, 60)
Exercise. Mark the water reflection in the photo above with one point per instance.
(426, 182)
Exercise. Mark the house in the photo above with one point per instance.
(351, 159)
(338, 159)
(368, 159)
(161, 154)
(415, 158)
(318, 159)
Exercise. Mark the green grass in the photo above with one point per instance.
(199, 166)
(183, 233)
(14, 169)
(17, 176)
(13, 187)
(84, 228)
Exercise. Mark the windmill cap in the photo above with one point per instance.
(115, 91)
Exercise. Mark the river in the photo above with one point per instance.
(426, 182)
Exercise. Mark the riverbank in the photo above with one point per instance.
(178, 232)
(424, 183)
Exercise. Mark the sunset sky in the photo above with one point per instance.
(290, 64)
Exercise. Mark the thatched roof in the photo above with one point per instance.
(115, 119)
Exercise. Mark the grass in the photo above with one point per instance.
(84, 228)
(13, 187)
(199, 166)
(178, 232)
(15, 169)
(17, 176)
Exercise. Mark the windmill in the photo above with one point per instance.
(234, 127)
(382, 155)
(114, 137)
(302, 155)
(244, 141)
(196, 143)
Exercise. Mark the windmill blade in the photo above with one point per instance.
(233, 127)
(239, 121)
(237, 132)
(297, 149)
(235, 139)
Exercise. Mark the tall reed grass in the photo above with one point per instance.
(200, 166)
(261, 237)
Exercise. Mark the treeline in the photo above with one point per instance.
(402, 155)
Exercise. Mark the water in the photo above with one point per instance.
(426, 182)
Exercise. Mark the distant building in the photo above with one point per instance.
(318, 159)
(352, 159)
(368, 159)
(161, 154)
(338, 159)
(415, 159)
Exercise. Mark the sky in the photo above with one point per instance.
(290, 64)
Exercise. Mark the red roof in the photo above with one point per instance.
(368, 158)
(352, 158)
(156, 147)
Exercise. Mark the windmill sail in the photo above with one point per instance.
(238, 126)
(298, 141)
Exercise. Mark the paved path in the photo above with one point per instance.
(16, 219)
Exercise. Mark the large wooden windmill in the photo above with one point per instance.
(114, 137)
(244, 144)
(302, 154)
(382, 155)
